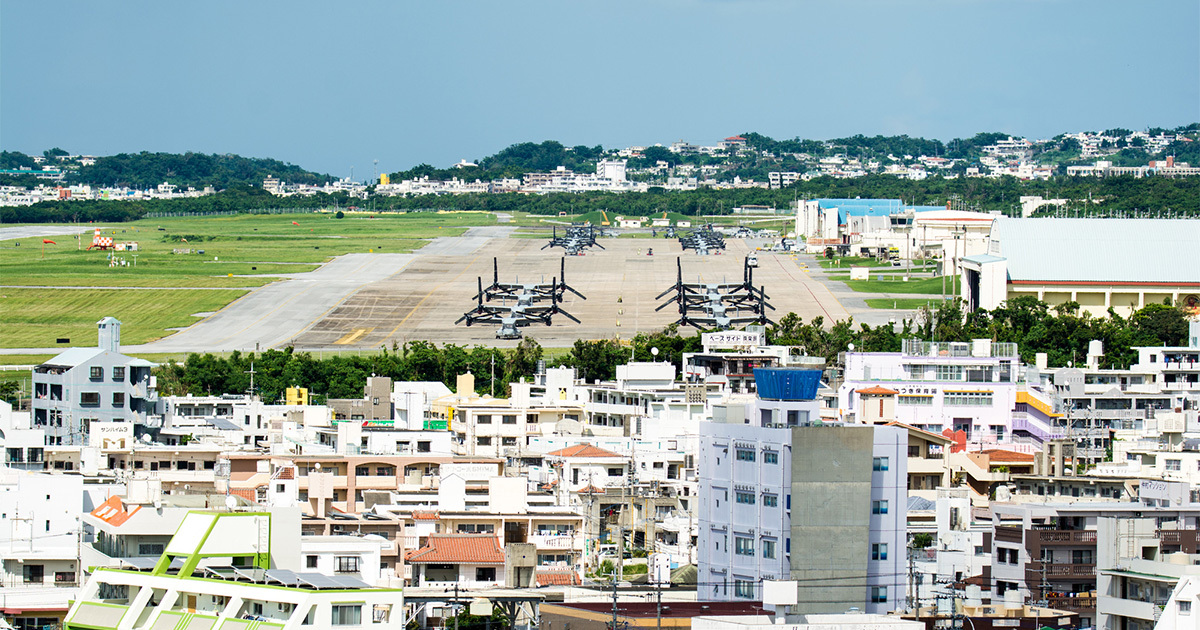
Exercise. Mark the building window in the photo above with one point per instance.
(483, 419)
(150, 549)
(880, 463)
(485, 574)
(508, 420)
(879, 551)
(96, 373)
(346, 614)
(878, 594)
(949, 372)
(34, 573)
(118, 399)
(743, 546)
(967, 399)
(310, 562)
(615, 472)
(770, 500)
(879, 507)
(1185, 607)
(89, 399)
(484, 440)
(768, 547)
(346, 564)
(745, 455)
(1173, 464)
(908, 400)
(508, 441)
(744, 497)
(385, 471)
(770, 457)
(743, 589)
(118, 373)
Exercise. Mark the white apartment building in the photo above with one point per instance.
(974, 387)
(843, 556)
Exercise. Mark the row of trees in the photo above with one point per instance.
(146, 169)
(1063, 333)
(1091, 195)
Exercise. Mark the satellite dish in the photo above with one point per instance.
(654, 351)
(850, 347)
(230, 501)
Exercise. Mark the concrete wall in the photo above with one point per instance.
(831, 509)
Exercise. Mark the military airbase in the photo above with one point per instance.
(416, 287)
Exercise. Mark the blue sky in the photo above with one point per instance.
(330, 85)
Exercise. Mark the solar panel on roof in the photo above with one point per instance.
(283, 576)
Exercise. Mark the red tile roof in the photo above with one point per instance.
(878, 391)
(419, 515)
(557, 577)
(287, 472)
(591, 489)
(459, 549)
(1001, 455)
(583, 450)
(249, 494)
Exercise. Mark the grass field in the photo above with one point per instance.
(37, 317)
(930, 286)
(234, 247)
(238, 245)
(855, 261)
(908, 304)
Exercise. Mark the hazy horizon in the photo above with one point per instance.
(328, 86)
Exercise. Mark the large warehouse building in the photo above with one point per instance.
(1124, 264)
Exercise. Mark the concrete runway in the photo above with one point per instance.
(270, 316)
(30, 231)
(364, 301)
(620, 282)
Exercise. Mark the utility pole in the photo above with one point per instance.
(614, 597)
(456, 606)
(658, 606)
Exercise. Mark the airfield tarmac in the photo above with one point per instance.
(423, 300)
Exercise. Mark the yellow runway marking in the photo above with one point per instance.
(352, 336)
(428, 295)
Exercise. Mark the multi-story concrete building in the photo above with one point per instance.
(832, 517)
(39, 548)
(1055, 552)
(229, 574)
(85, 386)
(974, 388)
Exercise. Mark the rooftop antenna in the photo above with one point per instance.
(251, 372)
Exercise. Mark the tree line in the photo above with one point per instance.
(1089, 195)
(1063, 333)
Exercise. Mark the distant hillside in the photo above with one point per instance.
(516, 161)
(143, 170)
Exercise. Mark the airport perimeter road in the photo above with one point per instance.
(273, 314)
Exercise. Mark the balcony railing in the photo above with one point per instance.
(1072, 603)
(1009, 533)
(1065, 537)
(1056, 571)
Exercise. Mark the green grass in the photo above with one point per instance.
(238, 245)
(37, 317)
(847, 262)
(908, 304)
(233, 246)
(931, 286)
